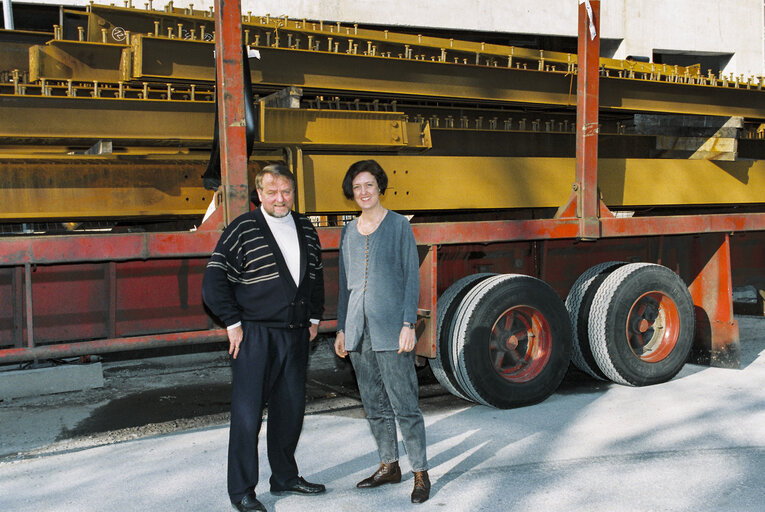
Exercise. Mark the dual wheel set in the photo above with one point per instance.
(506, 340)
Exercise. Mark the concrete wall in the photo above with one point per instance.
(638, 27)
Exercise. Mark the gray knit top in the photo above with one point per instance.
(379, 282)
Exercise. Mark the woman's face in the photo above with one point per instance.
(366, 193)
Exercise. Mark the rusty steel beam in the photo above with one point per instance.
(586, 184)
(682, 224)
(141, 246)
(14, 355)
(45, 250)
(103, 346)
(231, 96)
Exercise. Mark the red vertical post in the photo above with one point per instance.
(427, 328)
(717, 340)
(110, 276)
(587, 89)
(18, 306)
(231, 97)
(28, 300)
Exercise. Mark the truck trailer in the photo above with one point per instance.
(568, 208)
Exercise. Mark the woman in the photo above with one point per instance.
(376, 312)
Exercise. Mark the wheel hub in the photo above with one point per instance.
(519, 345)
(653, 326)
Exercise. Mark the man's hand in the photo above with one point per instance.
(313, 331)
(406, 340)
(235, 336)
(340, 345)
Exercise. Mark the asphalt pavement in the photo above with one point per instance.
(696, 443)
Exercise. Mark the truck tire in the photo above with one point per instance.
(512, 341)
(641, 324)
(447, 305)
(578, 304)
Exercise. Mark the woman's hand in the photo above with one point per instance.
(340, 345)
(406, 339)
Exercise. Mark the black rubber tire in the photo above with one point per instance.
(578, 304)
(447, 305)
(610, 324)
(480, 311)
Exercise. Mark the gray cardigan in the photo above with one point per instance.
(383, 287)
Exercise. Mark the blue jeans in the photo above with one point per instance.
(389, 391)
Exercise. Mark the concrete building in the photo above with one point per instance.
(726, 37)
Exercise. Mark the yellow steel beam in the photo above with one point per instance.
(110, 23)
(161, 122)
(80, 187)
(164, 122)
(401, 77)
(422, 183)
(114, 24)
(62, 60)
(154, 58)
(14, 49)
(171, 59)
(328, 128)
(101, 187)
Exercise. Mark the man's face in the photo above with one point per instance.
(276, 195)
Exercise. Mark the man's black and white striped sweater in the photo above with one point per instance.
(248, 279)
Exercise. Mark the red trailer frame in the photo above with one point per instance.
(95, 266)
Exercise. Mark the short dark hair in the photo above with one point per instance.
(370, 166)
(275, 170)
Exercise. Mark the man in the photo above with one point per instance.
(265, 282)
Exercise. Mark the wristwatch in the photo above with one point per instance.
(409, 324)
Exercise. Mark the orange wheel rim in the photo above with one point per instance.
(519, 344)
(653, 326)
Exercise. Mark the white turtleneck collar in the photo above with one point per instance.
(285, 234)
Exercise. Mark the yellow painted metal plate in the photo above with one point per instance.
(442, 183)
(421, 183)
(326, 128)
(101, 187)
(65, 60)
(654, 182)
(47, 117)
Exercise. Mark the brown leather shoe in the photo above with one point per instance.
(385, 474)
(421, 491)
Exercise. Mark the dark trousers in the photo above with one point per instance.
(270, 369)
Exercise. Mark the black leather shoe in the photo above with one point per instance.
(249, 503)
(302, 486)
(385, 474)
(421, 491)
